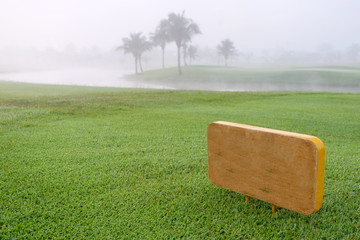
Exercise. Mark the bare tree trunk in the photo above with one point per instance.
(163, 58)
(136, 70)
(179, 66)
(141, 69)
(225, 61)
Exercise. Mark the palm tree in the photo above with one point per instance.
(160, 38)
(136, 45)
(227, 49)
(192, 52)
(181, 30)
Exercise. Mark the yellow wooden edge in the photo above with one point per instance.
(320, 170)
(320, 163)
(285, 133)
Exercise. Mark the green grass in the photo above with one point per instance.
(328, 75)
(79, 162)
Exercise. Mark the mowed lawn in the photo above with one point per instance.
(214, 77)
(108, 163)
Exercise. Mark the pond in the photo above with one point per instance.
(109, 77)
(95, 77)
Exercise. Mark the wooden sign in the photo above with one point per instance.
(282, 168)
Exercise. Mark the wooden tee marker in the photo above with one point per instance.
(282, 168)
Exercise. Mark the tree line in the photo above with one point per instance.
(175, 28)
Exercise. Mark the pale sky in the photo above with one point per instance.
(252, 25)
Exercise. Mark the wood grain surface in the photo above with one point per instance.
(282, 168)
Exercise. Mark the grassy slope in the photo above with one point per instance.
(336, 75)
(108, 163)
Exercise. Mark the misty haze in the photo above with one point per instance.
(185, 119)
(237, 46)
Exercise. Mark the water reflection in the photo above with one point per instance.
(79, 77)
(114, 78)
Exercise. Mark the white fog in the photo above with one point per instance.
(75, 42)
